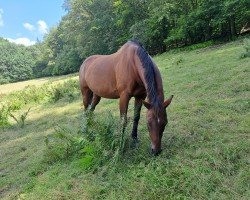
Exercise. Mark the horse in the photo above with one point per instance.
(129, 72)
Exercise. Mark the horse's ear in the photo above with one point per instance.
(168, 101)
(146, 104)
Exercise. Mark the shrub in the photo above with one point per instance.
(21, 119)
(32, 94)
(246, 47)
(4, 114)
(69, 90)
(200, 45)
(97, 143)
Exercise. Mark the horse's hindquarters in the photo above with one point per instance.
(100, 78)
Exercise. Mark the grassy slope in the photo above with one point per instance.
(10, 87)
(206, 144)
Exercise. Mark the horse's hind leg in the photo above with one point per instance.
(95, 100)
(87, 95)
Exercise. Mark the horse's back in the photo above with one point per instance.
(109, 75)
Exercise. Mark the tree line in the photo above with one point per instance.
(102, 26)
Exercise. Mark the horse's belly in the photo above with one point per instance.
(103, 87)
(109, 94)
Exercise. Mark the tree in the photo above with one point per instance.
(16, 62)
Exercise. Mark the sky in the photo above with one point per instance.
(25, 21)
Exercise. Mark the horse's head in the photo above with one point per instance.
(156, 122)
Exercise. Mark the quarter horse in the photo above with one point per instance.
(130, 72)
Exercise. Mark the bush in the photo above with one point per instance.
(4, 114)
(97, 143)
(200, 45)
(21, 119)
(32, 94)
(246, 47)
(69, 90)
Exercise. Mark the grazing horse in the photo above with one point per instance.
(130, 72)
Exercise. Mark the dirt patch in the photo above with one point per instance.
(4, 190)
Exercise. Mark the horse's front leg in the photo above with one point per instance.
(137, 112)
(124, 100)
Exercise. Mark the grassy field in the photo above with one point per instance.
(206, 144)
(11, 87)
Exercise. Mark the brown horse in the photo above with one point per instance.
(130, 72)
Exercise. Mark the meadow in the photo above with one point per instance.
(51, 149)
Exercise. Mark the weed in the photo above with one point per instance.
(200, 45)
(97, 143)
(32, 94)
(246, 47)
(21, 119)
(69, 90)
(4, 114)
(179, 60)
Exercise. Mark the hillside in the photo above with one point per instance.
(102, 26)
(61, 154)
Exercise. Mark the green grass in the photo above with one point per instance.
(206, 144)
(10, 87)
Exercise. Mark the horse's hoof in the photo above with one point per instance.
(135, 143)
(156, 152)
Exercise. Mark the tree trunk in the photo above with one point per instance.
(232, 26)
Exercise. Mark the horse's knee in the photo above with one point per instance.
(137, 118)
(123, 120)
(134, 134)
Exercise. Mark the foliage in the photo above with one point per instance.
(4, 114)
(99, 142)
(21, 119)
(246, 48)
(68, 90)
(102, 26)
(16, 62)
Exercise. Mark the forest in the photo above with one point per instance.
(102, 26)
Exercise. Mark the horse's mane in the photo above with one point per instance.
(149, 75)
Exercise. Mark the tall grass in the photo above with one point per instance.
(67, 91)
(21, 118)
(98, 142)
(246, 46)
(4, 114)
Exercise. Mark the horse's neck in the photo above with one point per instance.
(159, 86)
(158, 80)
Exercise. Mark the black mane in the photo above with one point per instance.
(149, 74)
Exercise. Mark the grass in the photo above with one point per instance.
(206, 144)
(11, 87)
